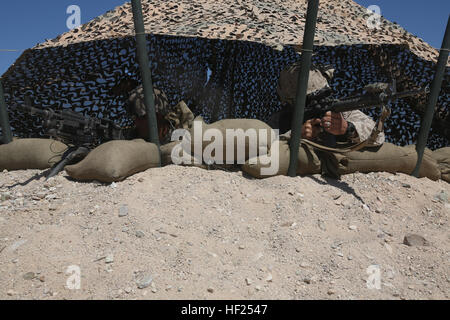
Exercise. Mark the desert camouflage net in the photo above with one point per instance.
(218, 78)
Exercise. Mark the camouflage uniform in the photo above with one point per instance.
(318, 79)
(168, 117)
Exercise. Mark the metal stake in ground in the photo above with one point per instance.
(302, 84)
(4, 119)
(432, 99)
(144, 63)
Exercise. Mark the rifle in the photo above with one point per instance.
(319, 103)
(81, 133)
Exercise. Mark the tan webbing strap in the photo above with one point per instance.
(379, 127)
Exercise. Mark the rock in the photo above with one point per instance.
(5, 196)
(269, 277)
(248, 281)
(140, 234)
(109, 258)
(415, 240)
(29, 276)
(321, 224)
(143, 280)
(331, 292)
(11, 293)
(123, 211)
(304, 264)
(210, 290)
(352, 227)
(442, 196)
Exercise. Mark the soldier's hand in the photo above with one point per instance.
(334, 123)
(311, 129)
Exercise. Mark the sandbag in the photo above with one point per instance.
(308, 161)
(115, 161)
(442, 157)
(257, 127)
(23, 154)
(387, 158)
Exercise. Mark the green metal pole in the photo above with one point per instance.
(4, 120)
(302, 85)
(144, 63)
(432, 99)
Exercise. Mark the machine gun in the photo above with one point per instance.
(319, 103)
(79, 132)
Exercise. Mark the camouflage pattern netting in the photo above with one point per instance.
(216, 78)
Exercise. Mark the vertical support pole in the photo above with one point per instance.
(432, 99)
(144, 64)
(302, 85)
(4, 120)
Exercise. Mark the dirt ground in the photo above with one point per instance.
(188, 233)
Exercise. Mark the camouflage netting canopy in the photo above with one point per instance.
(224, 62)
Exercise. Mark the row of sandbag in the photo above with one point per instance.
(117, 160)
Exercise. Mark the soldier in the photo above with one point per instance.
(347, 127)
(168, 117)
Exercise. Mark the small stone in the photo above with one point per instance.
(352, 227)
(42, 278)
(406, 185)
(349, 258)
(331, 292)
(304, 264)
(321, 225)
(241, 247)
(123, 211)
(113, 185)
(140, 234)
(109, 258)
(11, 293)
(415, 240)
(141, 180)
(154, 290)
(210, 290)
(143, 281)
(248, 281)
(128, 290)
(29, 276)
(340, 254)
(442, 196)
(269, 277)
(258, 288)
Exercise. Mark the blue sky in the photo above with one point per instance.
(28, 22)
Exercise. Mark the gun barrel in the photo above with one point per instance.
(31, 110)
(361, 102)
